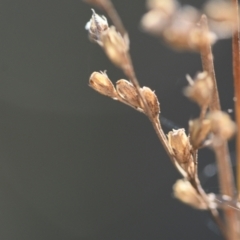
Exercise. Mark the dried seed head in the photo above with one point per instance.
(184, 191)
(151, 100)
(201, 89)
(198, 131)
(166, 6)
(115, 46)
(128, 93)
(177, 33)
(199, 38)
(222, 17)
(100, 82)
(154, 22)
(96, 26)
(222, 125)
(180, 145)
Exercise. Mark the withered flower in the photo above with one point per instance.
(96, 26)
(222, 125)
(166, 6)
(151, 100)
(115, 47)
(128, 93)
(200, 90)
(100, 82)
(154, 22)
(222, 17)
(184, 191)
(199, 38)
(180, 145)
(198, 131)
(159, 16)
(177, 33)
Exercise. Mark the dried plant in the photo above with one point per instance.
(183, 28)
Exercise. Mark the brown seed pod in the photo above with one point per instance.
(201, 89)
(151, 100)
(222, 125)
(198, 131)
(115, 47)
(128, 92)
(100, 82)
(180, 145)
(184, 191)
(96, 26)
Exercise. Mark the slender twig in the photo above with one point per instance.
(208, 66)
(130, 73)
(227, 188)
(236, 75)
(109, 8)
(222, 153)
(197, 185)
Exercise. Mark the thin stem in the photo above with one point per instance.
(214, 212)
(109, 8)
(222, 153)
(208, 66)
(130, 73)
(197, 185)
(236, 75)
(227, 187)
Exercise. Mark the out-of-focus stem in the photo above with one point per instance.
(208, 66)
(236, 75)
(225, 173)
(227, 188)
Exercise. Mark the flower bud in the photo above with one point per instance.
(100, 82)
(222, 125)
(151, 100)
(128, 92)
(201, 90)
(96, 26)
(180, 145)
(184, 191)
(198, 131)
(115, 47)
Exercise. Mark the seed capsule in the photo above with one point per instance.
(152, 101)
(128, 92)
(184, 191)
(222, 125)
(96, 26)
(198, 131)
(201, 89)
(180, 145)
(100, 82)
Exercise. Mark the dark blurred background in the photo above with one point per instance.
(75, 165)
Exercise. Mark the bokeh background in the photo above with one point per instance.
(75, 165)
